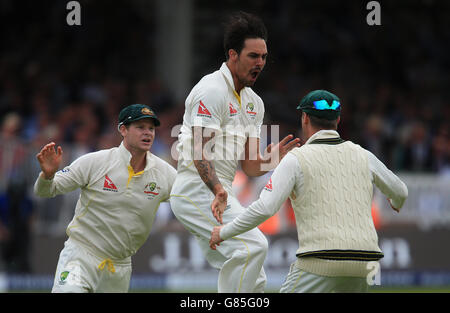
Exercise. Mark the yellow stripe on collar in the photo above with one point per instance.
(110, 264)
(131, 174)
(238, 97)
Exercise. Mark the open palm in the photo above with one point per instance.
(274, 153)
(49, 159)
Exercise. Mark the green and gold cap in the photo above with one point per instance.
(137, 112)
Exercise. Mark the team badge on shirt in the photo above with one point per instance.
(63, 277)
(152, 190)
(250, 109)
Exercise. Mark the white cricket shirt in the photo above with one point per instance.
(213, 103)
(115, 211)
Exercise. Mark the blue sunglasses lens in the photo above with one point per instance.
(323, 105)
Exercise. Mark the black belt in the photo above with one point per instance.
(343, 255)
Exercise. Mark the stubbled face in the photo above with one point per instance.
(250, 62)
(139, 135)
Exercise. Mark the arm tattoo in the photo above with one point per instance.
(207, 173)
(205, 166)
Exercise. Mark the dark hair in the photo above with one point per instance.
(322, 123)
(239, 27)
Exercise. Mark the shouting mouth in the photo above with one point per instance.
(254, 73)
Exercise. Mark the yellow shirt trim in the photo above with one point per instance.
(238, 97)
(131, 174)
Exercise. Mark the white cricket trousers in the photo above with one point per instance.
(300, 281)
(239, 259)
(79, 271)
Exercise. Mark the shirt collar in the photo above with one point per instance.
(324, 133)
(126, 157)
(227, 74)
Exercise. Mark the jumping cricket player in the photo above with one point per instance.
(222, 121)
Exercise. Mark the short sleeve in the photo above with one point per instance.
(208, 108)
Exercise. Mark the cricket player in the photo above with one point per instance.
(330, 184)
(221, 126)
(121, 189)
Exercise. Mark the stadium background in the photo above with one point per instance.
(67, 84)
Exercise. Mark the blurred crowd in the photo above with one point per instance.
(68, 85)
(390, 78)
